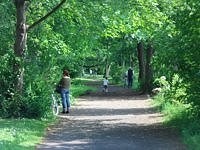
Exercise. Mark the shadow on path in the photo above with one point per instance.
(111, 122)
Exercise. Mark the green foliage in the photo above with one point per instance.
(174, 91)
(79, 87)
(191, 134)
(6, 52)
(22, 134)
(81, 90)
(35, 103)
(173, 102)
(177, 50)
(117, 74)
(95, 34)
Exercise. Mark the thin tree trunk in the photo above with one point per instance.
(122, 61)
(141, 77)
(21, 38)
(130, 60)
(47, 15)
(108, 67)
(20, 42)
(148, 69)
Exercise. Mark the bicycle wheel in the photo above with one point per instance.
(55, 107)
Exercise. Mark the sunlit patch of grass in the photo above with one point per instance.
(78, 90)
(175, 114)
(21, 134)
(88, 77)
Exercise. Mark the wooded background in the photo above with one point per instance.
(40, 38)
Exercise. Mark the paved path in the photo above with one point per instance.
(117, 120)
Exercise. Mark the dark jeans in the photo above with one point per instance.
(130, 82)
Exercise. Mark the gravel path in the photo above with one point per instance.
(117, 120)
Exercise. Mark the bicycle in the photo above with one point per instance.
(55, 103)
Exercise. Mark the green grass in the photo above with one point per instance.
(22, 134)
(191, 134)
(85, 79)
(180, 117)
(79, 88)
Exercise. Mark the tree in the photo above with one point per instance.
(141, 60)
(21, 38)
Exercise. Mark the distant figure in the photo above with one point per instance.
(125, 79)
(130, 77)
(105, 84)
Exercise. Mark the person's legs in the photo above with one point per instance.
(67, 101)
(129, 82)
(106, 88)
(63, 97)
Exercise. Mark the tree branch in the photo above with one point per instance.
(47, 15)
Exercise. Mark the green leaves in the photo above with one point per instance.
(106, 32)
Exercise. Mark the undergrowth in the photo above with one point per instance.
(23, 134)
(177, 113)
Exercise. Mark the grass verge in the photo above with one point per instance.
(179, 116)
(23, 134)
(79, 87)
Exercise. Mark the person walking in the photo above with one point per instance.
(105, 84)
(130, 77)
(65, 84)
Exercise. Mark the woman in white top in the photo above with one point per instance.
(105, 84)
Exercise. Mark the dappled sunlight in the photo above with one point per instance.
(78, 143)
(114, 111)
(104, 122)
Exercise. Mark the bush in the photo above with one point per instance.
(179, 112)
(117, 74)
(34, 104)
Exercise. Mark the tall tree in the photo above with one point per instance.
(141, 60)
(21, 38)
(148, 69)
(20, 42)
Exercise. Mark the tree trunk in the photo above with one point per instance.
(141, 76)
(21, 38)
(20, 42)
(130, 61)
(148, 70)
(107, 68)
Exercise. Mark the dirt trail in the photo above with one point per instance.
(117, 120)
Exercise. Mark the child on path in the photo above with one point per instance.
(105, 84)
